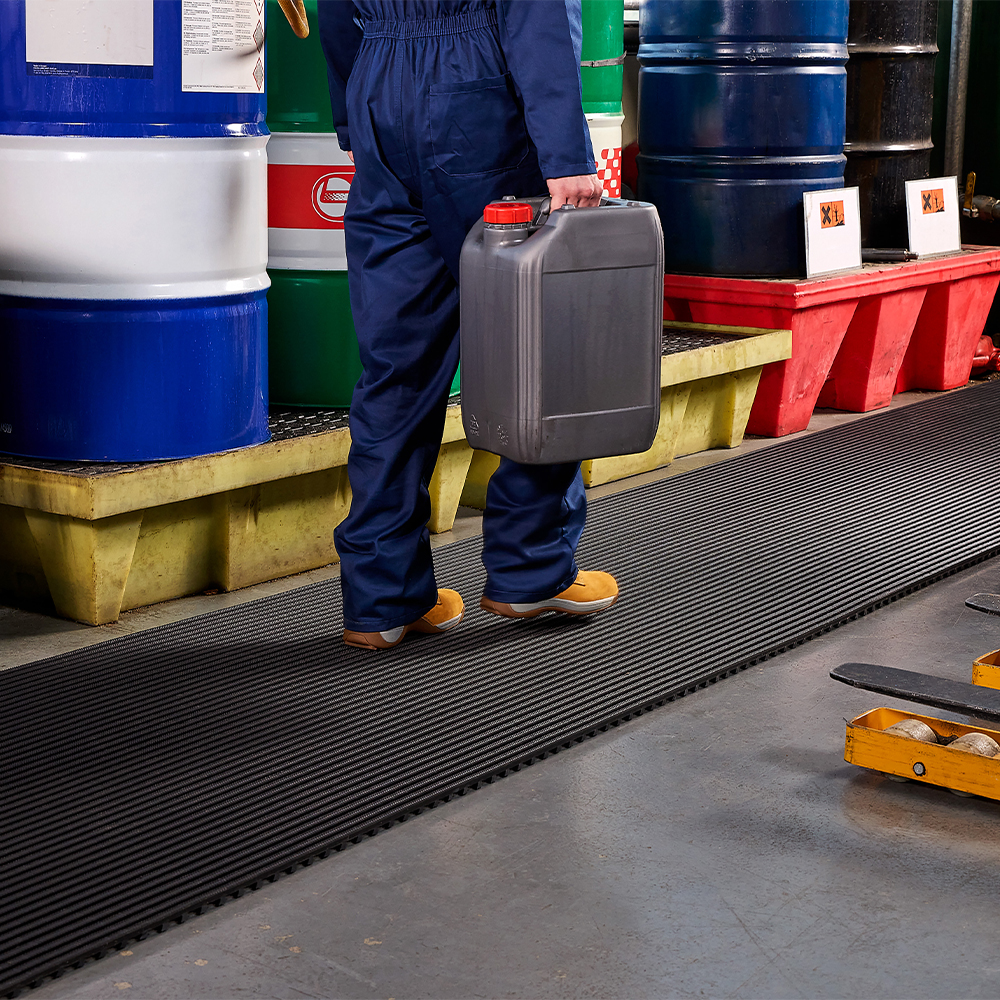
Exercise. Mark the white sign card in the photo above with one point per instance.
(78, 37)
(222, 46)
(932, 216)
(833, 231)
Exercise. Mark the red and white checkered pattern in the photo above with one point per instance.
(609, 171)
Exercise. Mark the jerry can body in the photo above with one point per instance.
(561, 330)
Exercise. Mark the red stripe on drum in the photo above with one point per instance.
(307, 196)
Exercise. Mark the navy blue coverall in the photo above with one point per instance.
(446, 107)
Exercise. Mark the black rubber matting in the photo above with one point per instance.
(154, 774)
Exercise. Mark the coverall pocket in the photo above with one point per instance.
(476, 127)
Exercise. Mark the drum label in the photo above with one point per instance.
(307, 196)
(222, 46)
(102, 38)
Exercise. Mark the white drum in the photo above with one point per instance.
(132, 218)
(606, 138)
(309, 177)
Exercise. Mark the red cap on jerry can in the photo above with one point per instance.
(508, 213)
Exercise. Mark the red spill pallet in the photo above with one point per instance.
(856, 338)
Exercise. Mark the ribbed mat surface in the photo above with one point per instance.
(152, 774)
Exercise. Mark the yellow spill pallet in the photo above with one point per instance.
(91, 545)
(94, 545)
(868, 745)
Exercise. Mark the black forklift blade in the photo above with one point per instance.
(990, 603)
(925, 689)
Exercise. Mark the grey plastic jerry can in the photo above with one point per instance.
(562, 326)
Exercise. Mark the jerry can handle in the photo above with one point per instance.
(545, 208)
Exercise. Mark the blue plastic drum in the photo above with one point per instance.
(134, 242)
(742, 108)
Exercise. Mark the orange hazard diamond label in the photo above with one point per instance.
(831, 213)
(932, 201)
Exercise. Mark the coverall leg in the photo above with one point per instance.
(437, 132)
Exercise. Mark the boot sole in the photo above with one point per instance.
(562, 607)
(374, 640)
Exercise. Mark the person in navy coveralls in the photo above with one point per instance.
(445, 107)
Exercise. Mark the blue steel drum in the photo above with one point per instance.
(208, 393)
(742, 108)
(134, 238)
(47, 98)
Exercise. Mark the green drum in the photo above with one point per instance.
(297, 96)
(601, 60)
(601, 75)
(313, 351)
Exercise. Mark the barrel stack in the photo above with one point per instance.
(601, 78)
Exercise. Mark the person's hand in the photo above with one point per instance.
(583, 191)
(350, 156)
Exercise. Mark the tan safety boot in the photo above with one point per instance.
(446, 614)
(590, 592)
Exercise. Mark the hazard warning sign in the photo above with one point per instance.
(932, 201)
(831, 213)
(933, 215)
(833, 231)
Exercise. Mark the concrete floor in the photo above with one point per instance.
(717, 847)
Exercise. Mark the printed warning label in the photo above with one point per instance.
(103, 38)
(932, 202)
(831, 213)
(222, 44)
